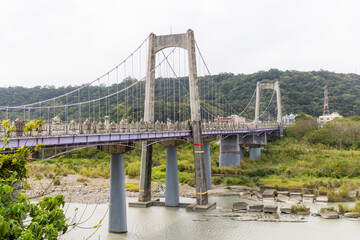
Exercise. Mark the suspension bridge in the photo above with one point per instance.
(161, 94)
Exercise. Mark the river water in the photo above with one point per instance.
(159, 223)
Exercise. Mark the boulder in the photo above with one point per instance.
(269, 200)
(296, 196)
(308, 198)
(240, 206)
(282, 198)
(245, 194)
(256, 208)
(268, 193)
(352, 215)
(329, 214)
(293, 201)
(322, 199)
(286, 193)
(270, 208)
(285, 209)
(257, 194)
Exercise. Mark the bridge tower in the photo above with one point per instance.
(156, 44)
(276, 87)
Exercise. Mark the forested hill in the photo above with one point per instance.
(301, 91)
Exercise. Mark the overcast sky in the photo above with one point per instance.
(71, 42)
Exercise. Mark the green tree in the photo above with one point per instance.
(19, 218)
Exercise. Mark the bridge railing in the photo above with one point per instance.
(59, 128)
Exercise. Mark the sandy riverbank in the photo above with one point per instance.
(96, 190)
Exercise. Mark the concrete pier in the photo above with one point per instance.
(117, 211)
(172, 179)
(255, 153)
(242, 153)
(207, 164)
(229, 151)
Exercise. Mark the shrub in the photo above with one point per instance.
(217, 180)
(133, 169)
(299, 208)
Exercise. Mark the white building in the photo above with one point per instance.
(288, 119)
(327, 118)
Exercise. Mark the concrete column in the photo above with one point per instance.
(278, 101)
(199, 160)
(257, 103)
(145, 172)
(117, 211)
(207, 164)
(255, 153)
(241, 153)
(146, 153)
(172, 179)
(229, 151)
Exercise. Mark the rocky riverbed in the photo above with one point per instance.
(96, 190)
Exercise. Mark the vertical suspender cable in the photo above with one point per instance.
(117, 95)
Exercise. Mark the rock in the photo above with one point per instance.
(293, 201)
(322, 199)
(286, 210)
(352, 194)
(257, 194)
(286, 193)
(268, 193)
(315, 214)
(240, 206)
(256, 207)
(282, 198)
(352, 215)
(269, 199)
(329, 214)
(270, 208)
(245, 193)
(308, 198)
(296, 196)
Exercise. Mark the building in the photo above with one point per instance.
(327, 118)
(288, 119)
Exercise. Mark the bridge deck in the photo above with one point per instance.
(119, 138)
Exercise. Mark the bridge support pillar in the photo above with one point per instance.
(117, 211)
(207, 159)
(242, 153)
(172, 179)
(145, 173)
(229, 151)
(207, 164)
(255, 152)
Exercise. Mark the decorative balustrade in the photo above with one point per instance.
(60, 128)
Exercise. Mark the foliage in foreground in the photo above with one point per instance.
(20, 219)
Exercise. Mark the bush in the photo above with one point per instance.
(217, 180)
(299, 208)
(133, 169)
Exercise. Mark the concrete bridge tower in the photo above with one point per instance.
(156, 44)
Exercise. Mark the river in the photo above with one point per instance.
(157, 223)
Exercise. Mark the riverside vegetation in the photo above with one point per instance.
(325, 161)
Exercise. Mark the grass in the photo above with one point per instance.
(301, 208)
(284, 163)
(132, 186)
(345, 208)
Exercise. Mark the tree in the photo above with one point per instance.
(20, 219)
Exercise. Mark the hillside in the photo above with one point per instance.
(301, 92)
